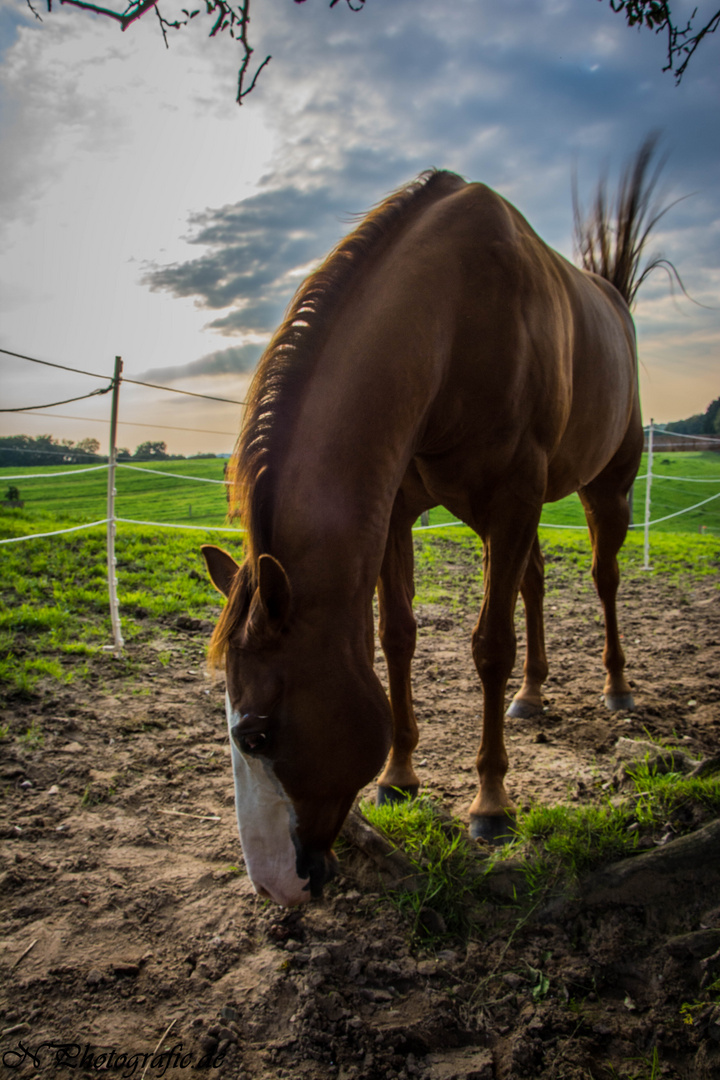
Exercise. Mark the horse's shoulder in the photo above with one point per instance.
(474, 219)
(478, 198)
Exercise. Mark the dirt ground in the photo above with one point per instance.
(133, 944)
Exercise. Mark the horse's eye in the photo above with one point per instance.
(255, 744)
(251, 742)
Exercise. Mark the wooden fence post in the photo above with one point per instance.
(111, 493)
(648, 484)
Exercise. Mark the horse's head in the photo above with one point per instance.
(309, 726)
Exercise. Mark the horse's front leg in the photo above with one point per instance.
(529, 700)
(398, 632)
(508, 544)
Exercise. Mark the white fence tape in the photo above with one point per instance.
(111, 521)
(218, 528)
(683, 435)
(583, 528)
(440, 525)
(180, 476)
(57, 532)
(168, 525)
(685, 479)
(679, 513)
(52, 475)
(118, 465)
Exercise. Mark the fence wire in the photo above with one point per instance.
(167, 475)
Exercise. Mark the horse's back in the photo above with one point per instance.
(533, 351)
(470, 348)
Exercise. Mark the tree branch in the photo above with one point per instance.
(676, 46)
(682, 41)
(38, 17)
(134, 11)
(91, 7)
(241, 74)
(234, 17)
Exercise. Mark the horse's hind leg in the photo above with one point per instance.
(528, 701)
(608, 516)
(398, 631)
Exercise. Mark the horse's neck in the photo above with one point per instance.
(329, 533)
(352, 437)
(331, 509)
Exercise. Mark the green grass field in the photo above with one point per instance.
(53, 590)
(145, 496)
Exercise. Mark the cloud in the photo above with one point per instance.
(238, 359)
(253, 250)
(116, 149)
(514, 96)
(46, 111)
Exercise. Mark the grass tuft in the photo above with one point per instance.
(561, 843)
(439, 851)
(670, 795)
(555, 846)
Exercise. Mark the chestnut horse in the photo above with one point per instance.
(442, 355)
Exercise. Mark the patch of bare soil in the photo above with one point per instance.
(133, 944)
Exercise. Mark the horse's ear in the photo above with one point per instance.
(221, 567)
(270, 607)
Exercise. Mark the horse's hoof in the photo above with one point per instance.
(498, 829)
(620, 702)
(522, 710)
(387, 794)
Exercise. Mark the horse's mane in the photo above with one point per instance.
(284, 370)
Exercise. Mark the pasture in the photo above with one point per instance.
(130, 926)
(70, 499)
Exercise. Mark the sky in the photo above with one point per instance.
(144, 214)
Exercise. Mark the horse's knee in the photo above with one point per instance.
(494, 659)
(398, 636)
(606, 575)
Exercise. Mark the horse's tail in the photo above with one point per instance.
(610, 239)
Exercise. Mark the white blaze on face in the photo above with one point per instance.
(266, 822)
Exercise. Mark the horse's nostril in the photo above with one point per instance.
(316, 866)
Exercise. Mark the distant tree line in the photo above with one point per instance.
(45, 450)
(707, 423)
(18, 450)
